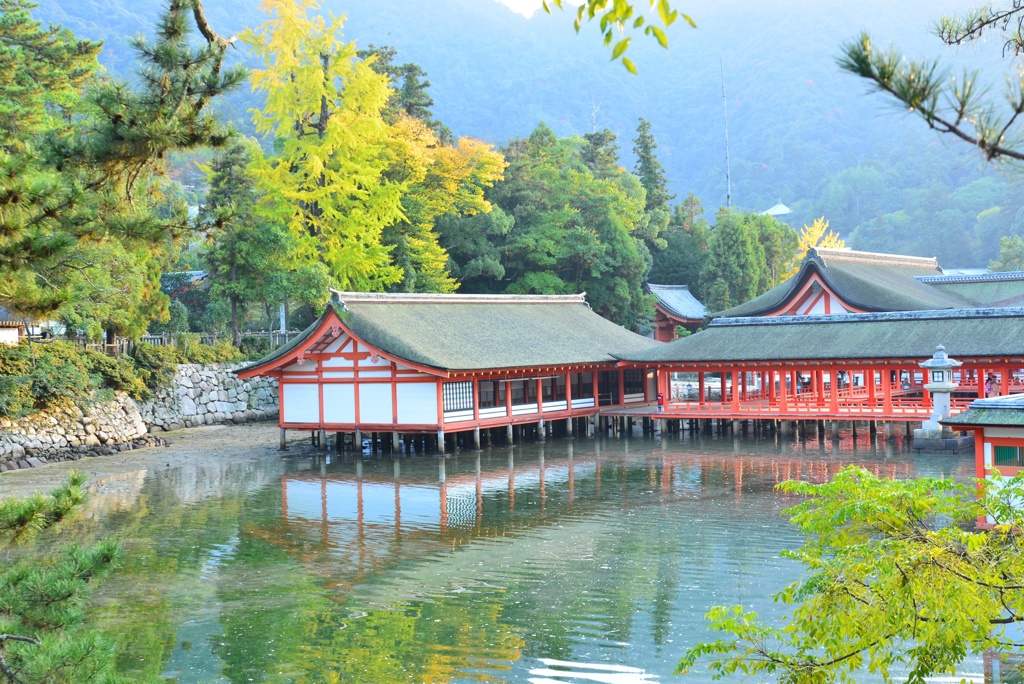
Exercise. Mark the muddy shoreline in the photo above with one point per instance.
(223, 443)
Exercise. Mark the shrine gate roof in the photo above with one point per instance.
(968, 333)
(475, 332)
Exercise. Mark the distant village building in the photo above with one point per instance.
(776, 211)
(11, 329)
(675, 306)
(426, 363)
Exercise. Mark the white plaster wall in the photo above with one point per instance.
(301, 403)
(339, 404)
(375, 403)
(417, 403)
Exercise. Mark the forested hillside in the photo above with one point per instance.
(801, 131)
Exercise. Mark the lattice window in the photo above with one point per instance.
(1008, 456)
(458, 396)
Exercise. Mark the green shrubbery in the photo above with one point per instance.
(38, 376)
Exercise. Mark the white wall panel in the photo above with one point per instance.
(301, 403)
(417, 403)
(375, 403)
(339, 404)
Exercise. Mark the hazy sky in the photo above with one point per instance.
(524, 7)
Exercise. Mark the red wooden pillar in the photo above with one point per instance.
(540, 396)
(887, 372)
(743, 385)
(871, 385)
(783, 403)
(508, 398)
(735, 393)
(1004, 385)
(622, 386)
(819, 387)
(981, 382)
(568, 391)
(700, 387)
(770, 386)
(833, 395)
(593, 377)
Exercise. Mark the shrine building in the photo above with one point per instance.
(675, 306)
(440, 364)
(839, 281)
(838, 367)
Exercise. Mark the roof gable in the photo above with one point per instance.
(862, 281)
(471, 332)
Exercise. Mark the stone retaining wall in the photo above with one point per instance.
(204, 395)
(197, 395)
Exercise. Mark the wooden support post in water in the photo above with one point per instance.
(540, 430)
(357, 441)
(284, 440)
(395, 441)
(476, 438)
(508, 434)
(440, 441)
(835, 429)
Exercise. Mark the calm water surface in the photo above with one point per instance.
(575, 561)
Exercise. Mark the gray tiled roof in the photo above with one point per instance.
(475, 332)
(966, 333)
(992, 412)
(868, 281)
(678, 301)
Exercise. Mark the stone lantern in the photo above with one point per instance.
(939, 381)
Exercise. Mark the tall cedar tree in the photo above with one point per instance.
(409, 85)
(648, 169)
(249, 254)
(41, 602)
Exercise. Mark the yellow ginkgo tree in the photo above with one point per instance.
(815, 235)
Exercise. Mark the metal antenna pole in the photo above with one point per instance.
(725, 108)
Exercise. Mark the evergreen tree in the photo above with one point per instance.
(600, 154)
(78, 151)
(736, 257)
(41, 602)
(409, 85)
(648, 169)
(249, 253)
(687, 238)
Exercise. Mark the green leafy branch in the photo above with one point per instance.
(617, 17)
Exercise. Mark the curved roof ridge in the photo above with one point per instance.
(828, 254)
(434, 298)
(975, 278)
(926, 315)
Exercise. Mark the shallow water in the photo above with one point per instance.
(574, 561)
